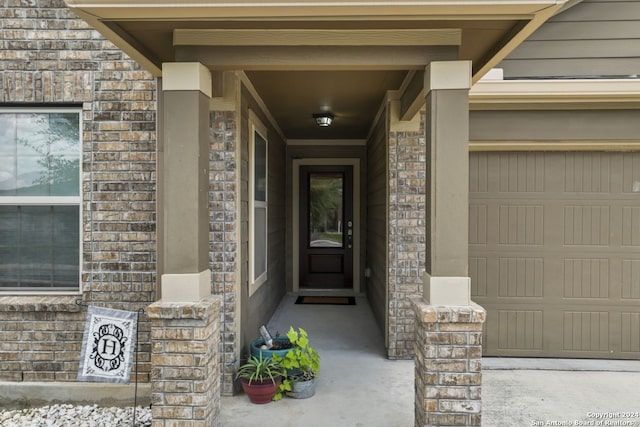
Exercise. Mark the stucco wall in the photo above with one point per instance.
(51, 58)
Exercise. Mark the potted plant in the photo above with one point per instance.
(301, 365)
(280, 346)
(260, 378)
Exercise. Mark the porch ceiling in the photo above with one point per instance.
(304, 56)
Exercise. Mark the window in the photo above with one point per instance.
(40, 200)
(258, 188)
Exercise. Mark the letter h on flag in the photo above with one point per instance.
(108, 345)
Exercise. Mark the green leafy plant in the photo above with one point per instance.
(260, 369)
(301, 363)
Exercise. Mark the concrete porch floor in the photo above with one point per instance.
(359, 387)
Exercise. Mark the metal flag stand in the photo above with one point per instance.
(135, 392)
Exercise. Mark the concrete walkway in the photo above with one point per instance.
(359, 387)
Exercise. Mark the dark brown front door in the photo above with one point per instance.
(326, 227)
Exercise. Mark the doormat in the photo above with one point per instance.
(326, 300)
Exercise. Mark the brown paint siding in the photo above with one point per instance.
(377, 221)
(51, 57)
(258, 309)
(592, 38)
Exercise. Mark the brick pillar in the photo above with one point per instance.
(185, 368)
(448, 362)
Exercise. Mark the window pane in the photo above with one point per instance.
(7, 175)
(39, 247)
(260, 242)
(325, 209)
(260, 168)
(41, 154)
(9, 231)
(64, 163)
(7, 155)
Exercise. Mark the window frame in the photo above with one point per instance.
(257, 127)
(52, 200)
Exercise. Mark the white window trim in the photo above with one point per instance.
(256, 126)
(52, 201)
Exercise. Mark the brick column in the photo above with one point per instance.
(448, 364)
(185, 368)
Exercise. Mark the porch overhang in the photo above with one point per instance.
(151, 31)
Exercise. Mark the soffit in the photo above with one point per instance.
(354, 79)
(156, 38)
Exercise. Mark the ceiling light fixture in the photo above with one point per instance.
(323, 119)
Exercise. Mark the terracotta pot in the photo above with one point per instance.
(260, 391)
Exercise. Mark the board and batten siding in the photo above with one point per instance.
(595, 38)
(377, 220)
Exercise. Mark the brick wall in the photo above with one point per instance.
(223, 235)
(448, 368)
(185, 353)
(407, 237)
(49, 57)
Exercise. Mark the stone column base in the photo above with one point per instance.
(185, 365)
(448, 376)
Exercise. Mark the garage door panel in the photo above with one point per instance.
(630, 279)
(631, 225)
(478, 271)
(586, 278)
(520, 329)
(519, 173)
(521, 224)
(585, 331)
(553, 253)
(630, 332)
(631, 173)
(478, 224)
(586, 225)
(520, 277)
(588, 172)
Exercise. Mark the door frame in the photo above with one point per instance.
(355, 164)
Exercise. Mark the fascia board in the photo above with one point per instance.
(588, 93)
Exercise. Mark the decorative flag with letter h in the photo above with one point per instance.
(108, 345)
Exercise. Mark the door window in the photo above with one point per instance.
(326, 218)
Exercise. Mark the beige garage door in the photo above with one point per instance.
(554, 253)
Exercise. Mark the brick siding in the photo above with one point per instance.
(49, 57)
(407, 237)
(223, 235)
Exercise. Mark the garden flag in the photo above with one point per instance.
(107, 345)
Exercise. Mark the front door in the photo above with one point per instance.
(326, 227)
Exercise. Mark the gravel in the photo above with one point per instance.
(75, 416)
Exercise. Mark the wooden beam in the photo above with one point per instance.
(315, 57)
(311, 37)
(413, 97)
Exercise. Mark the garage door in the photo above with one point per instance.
(554, 253)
